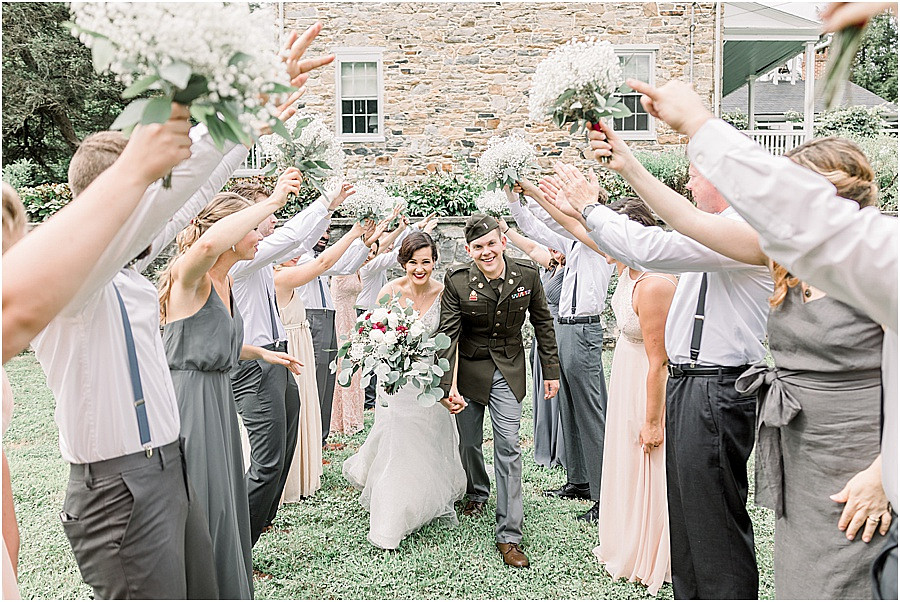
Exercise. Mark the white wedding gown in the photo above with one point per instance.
(408, 469)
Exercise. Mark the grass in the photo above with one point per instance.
(318, 549)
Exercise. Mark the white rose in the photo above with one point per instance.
(390, 338)
(379, 315)
(393, 319)
(376, 335)
(416, 330)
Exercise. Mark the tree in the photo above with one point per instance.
(52, 98)
(875, 67)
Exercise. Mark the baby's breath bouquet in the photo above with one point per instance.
(577, 83)
(370, 201)
(314, 150)
(506, 161)
(391, 343)
(219, 58)
(493, 203)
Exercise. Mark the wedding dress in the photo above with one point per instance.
(408, 469)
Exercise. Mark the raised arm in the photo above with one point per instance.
(289, 278)
(546, 211)
(537, 252)
(533, 227)
(729, 237)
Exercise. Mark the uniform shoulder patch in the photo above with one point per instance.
(526, 263)
(458, 267)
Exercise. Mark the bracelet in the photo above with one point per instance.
(505, 231)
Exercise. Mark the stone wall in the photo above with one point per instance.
(456, 74)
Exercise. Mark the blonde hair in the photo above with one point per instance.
(95, 154)
(843, 164)
(13, 215)
(222, 205)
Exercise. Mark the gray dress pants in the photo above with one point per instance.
(134, 531)
(269, 404)
(321, 327)
(582, 401)
(506, 414)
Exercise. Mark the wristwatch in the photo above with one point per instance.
(587, 210)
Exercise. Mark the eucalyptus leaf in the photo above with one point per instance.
(131, 115)
(197, 87)
(279, 128)
(178, 73)
(140, 86)
(102, 53)
(239, 57)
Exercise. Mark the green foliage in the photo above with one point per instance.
(44, 200)
(441, 193)
(669, 167)
(20, 174)
(737, 118)
(857, 121)
(882, 154)
(793, 116)
(52, 98)
(295, 203)
(875, 68)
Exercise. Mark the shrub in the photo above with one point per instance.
(669, 167)
(737, 118)
(44, 200)
(20, 173)
(295, 204)
(882, 154)
(793, 116)
(441, 193)
(843, 121)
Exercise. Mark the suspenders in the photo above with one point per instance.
(699, 317)
(139, 408)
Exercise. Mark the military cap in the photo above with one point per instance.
(478, 225)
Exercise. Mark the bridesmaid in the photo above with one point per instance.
(202, 335)
(549, 450)
(634, 522)
(303, 478)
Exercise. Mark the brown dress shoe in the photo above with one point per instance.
(512, 555)
(473, 508)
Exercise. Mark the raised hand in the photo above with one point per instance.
(285, 111)
(578, 190)
(551, 188)
(606, 144)
(153, 150)
(288, 182)
(423, 223)
(377, 230)
(676, 103)
(340, 195)
(295, 47)
(838, 15)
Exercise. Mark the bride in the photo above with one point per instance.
(408, 469)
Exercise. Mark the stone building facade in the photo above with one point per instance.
(452, 75)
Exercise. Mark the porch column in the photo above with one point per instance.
(751, 104)
(809, 91)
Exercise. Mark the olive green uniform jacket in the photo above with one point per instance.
(487, 330)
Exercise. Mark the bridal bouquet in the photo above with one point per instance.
(224, 69)
(493, 203)
(576, 83)
(313, 149)
(371, 201)
(391, 344)
(505, 161)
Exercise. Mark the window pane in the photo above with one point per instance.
(372, 107)
(347, 125)
(367, 86)
(360, 123)
(359, 107)
(618, 125)
(346, 107)
(346, 70)
(643, 122)
(636, 65)
(373, 124)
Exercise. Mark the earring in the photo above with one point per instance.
(233, 249)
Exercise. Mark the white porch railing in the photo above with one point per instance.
(778, 142)
(252, 165)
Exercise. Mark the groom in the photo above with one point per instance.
(483, 311)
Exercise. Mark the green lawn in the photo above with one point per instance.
(319, 550)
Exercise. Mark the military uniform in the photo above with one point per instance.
(485, 326)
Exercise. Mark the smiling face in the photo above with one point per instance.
(420, 266)
(559, 257)
(487, 252)
(705, 194)
(247, 247)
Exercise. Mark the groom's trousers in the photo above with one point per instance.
(506, 414)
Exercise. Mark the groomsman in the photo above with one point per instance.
(316, 296)
(579, 330)
(482, 311)
(714, 332)
(266, 395)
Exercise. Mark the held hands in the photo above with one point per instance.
(455, 402)
(651, 436)
(279, 358)
(676, 103)
(865, 504)
(551, 388)
(340, 195)
(288, 182)
(153, 150)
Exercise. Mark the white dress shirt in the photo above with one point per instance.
(83, 351)
(373, 275)
(826, 240)
(587, 273)
(737, 294)
(254, 282)
(316, 293)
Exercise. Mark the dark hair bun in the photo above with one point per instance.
(412, 243)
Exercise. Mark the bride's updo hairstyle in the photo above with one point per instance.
(843, 164)
(414, 242)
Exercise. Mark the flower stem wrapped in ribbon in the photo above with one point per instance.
(577, 83)
(313, 149)
(225, 69)
(506, 161)
(390, 343)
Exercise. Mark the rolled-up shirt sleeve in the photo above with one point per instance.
(802, 223)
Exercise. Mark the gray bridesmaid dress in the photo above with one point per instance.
(818, 425)
(201, 350)
(548, 439)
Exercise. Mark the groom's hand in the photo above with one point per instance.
(551, 387)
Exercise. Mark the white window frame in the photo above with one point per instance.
(368, 54)
(649, 50)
